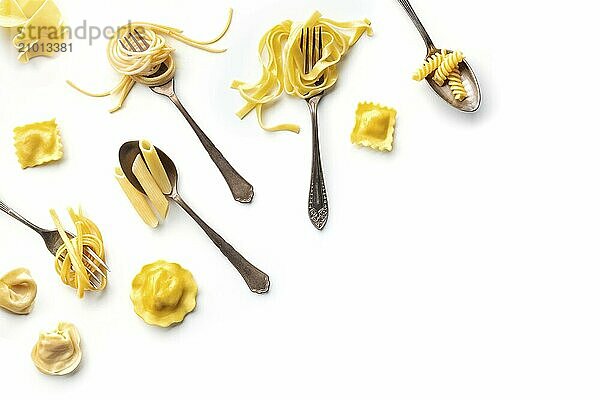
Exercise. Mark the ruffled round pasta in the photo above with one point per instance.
(69, 261)
(163, 293)
(145, 66)
(17, 291)
(58, 352)
(283, 64)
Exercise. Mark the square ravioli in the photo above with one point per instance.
(374, 126)
(38, 143)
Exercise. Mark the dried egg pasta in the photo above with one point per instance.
(36, 26)
(137, 199)
(38, 143)
(148, 182)
(163, 293)
(17, 291)
(142, 66)
(283, 64)
(374, 126)
(155, 166)
(58, 352)
(69, 261)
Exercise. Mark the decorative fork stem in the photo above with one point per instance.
(19, 217)
(240, 188)
(318, 206)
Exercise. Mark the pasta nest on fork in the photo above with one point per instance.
(140, 53)
(282, 63)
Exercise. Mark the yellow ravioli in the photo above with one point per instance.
(38, 143)
(163, 293)
(374, 126)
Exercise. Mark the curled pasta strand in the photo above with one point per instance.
(456, 85)
(69, 261)
(283, 64)
(430, 65)
(143, 66)
(450, 62)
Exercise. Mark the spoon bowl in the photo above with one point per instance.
(472, 101)
(127, 155)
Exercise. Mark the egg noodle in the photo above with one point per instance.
(69, 261)
(143, 66)
(283, 64)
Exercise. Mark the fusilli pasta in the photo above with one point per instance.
(430, 65)
(450, 62)
(456, 85)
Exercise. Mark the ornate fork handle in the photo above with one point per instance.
(5, 208)
(318, 206)
(257, 280)
(240, 188)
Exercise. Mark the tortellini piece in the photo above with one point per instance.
(374, 126)
(163, 293)
(38, 143)
(58, 352)
(17, 291)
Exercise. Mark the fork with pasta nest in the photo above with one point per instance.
(68, 261)
(162, 75)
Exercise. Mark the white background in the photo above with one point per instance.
(463, 265)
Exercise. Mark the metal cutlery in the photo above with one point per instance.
(240, 188)
(473, 100)
(311, 45)
(53, 243)
(257, 280)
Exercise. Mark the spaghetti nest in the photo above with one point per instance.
(72, 261)
(283, 63)
(153, 66)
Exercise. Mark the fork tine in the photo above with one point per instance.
(304, 45)
(90, 262)
(320, 42)
(313, 55)
(93, 254)
(131, 46)
(140, 46)
(142, 38)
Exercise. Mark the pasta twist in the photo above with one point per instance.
(450, 62)
(140, 66)
(456, 85)
(283, 63)
(430, 65)
(69, 260)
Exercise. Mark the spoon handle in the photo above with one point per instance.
(257, 281)
(240, 188)
(415, 19)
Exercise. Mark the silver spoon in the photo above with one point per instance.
(473, 100)
(256, 280)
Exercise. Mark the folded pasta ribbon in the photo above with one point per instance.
(283, 64)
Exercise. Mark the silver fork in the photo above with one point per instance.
(54, 242)
(240, 188)
(311, 45)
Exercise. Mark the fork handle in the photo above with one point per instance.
(240, 188)
(318, 206)
(257, 281)
(5, 208)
